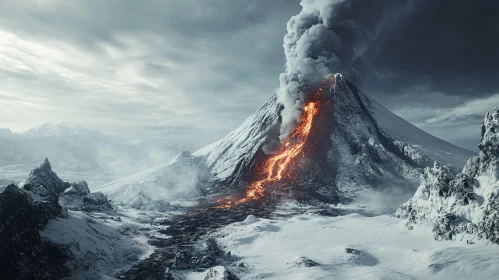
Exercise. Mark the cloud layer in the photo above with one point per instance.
(399, 52)
(142, 69)
(197, 69)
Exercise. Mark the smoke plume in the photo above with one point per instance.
(327, 36)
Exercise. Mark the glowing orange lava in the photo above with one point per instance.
(275, 167)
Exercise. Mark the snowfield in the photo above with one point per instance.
(106, 243)
(310, 246)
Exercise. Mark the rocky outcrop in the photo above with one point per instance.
(466, 202)
(304, 261)
(23, 254)
(78, 188)
(78, 197)
(201, 259)
(45, 177)
(142, 201)
(220, 273)
(25, 210)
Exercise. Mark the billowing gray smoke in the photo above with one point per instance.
(327, 36)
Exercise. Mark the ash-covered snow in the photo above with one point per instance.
(463, 205)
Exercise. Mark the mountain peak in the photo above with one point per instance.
(46, 164)
(489, 145)
(44, 176)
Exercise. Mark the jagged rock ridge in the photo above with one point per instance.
(26, 210)
(467, 202)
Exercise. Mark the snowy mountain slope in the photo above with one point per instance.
(351, 148)
(176, 179)
(360, 143)
(100, 246)
(233, 153)
(466, 203)
(181, 176)
(433, 147)
(356, 119)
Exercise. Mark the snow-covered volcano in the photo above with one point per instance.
(355, 144)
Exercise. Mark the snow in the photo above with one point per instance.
(175, 180)
(273, 249)
(433, 147)
(242, 143)
(105, 243)
(215, 273)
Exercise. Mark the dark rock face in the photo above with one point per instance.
(306, 262)
(353, 251)
(78, 197)
(23, 254)
(467, 202)
(78, 188)
(24, 211)
(220, 273)
(96, 202)
(44, 176)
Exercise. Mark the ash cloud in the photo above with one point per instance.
(397, 51)
(327, 36)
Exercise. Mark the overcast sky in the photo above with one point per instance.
(195, 69)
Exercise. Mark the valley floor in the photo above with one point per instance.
(384, 249)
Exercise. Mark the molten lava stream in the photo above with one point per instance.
(276, 166)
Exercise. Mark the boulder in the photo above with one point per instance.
(78, 188)
(220, 273)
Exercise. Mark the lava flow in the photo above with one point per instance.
(276, 167)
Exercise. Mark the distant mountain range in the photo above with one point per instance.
(76, 148)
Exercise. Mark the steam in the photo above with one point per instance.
(327, 36)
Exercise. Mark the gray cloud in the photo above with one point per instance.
(435, 57)
(148, 69)
(124, 66)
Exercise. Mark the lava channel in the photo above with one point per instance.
(278, 166)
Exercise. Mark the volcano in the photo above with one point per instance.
(355, 145)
